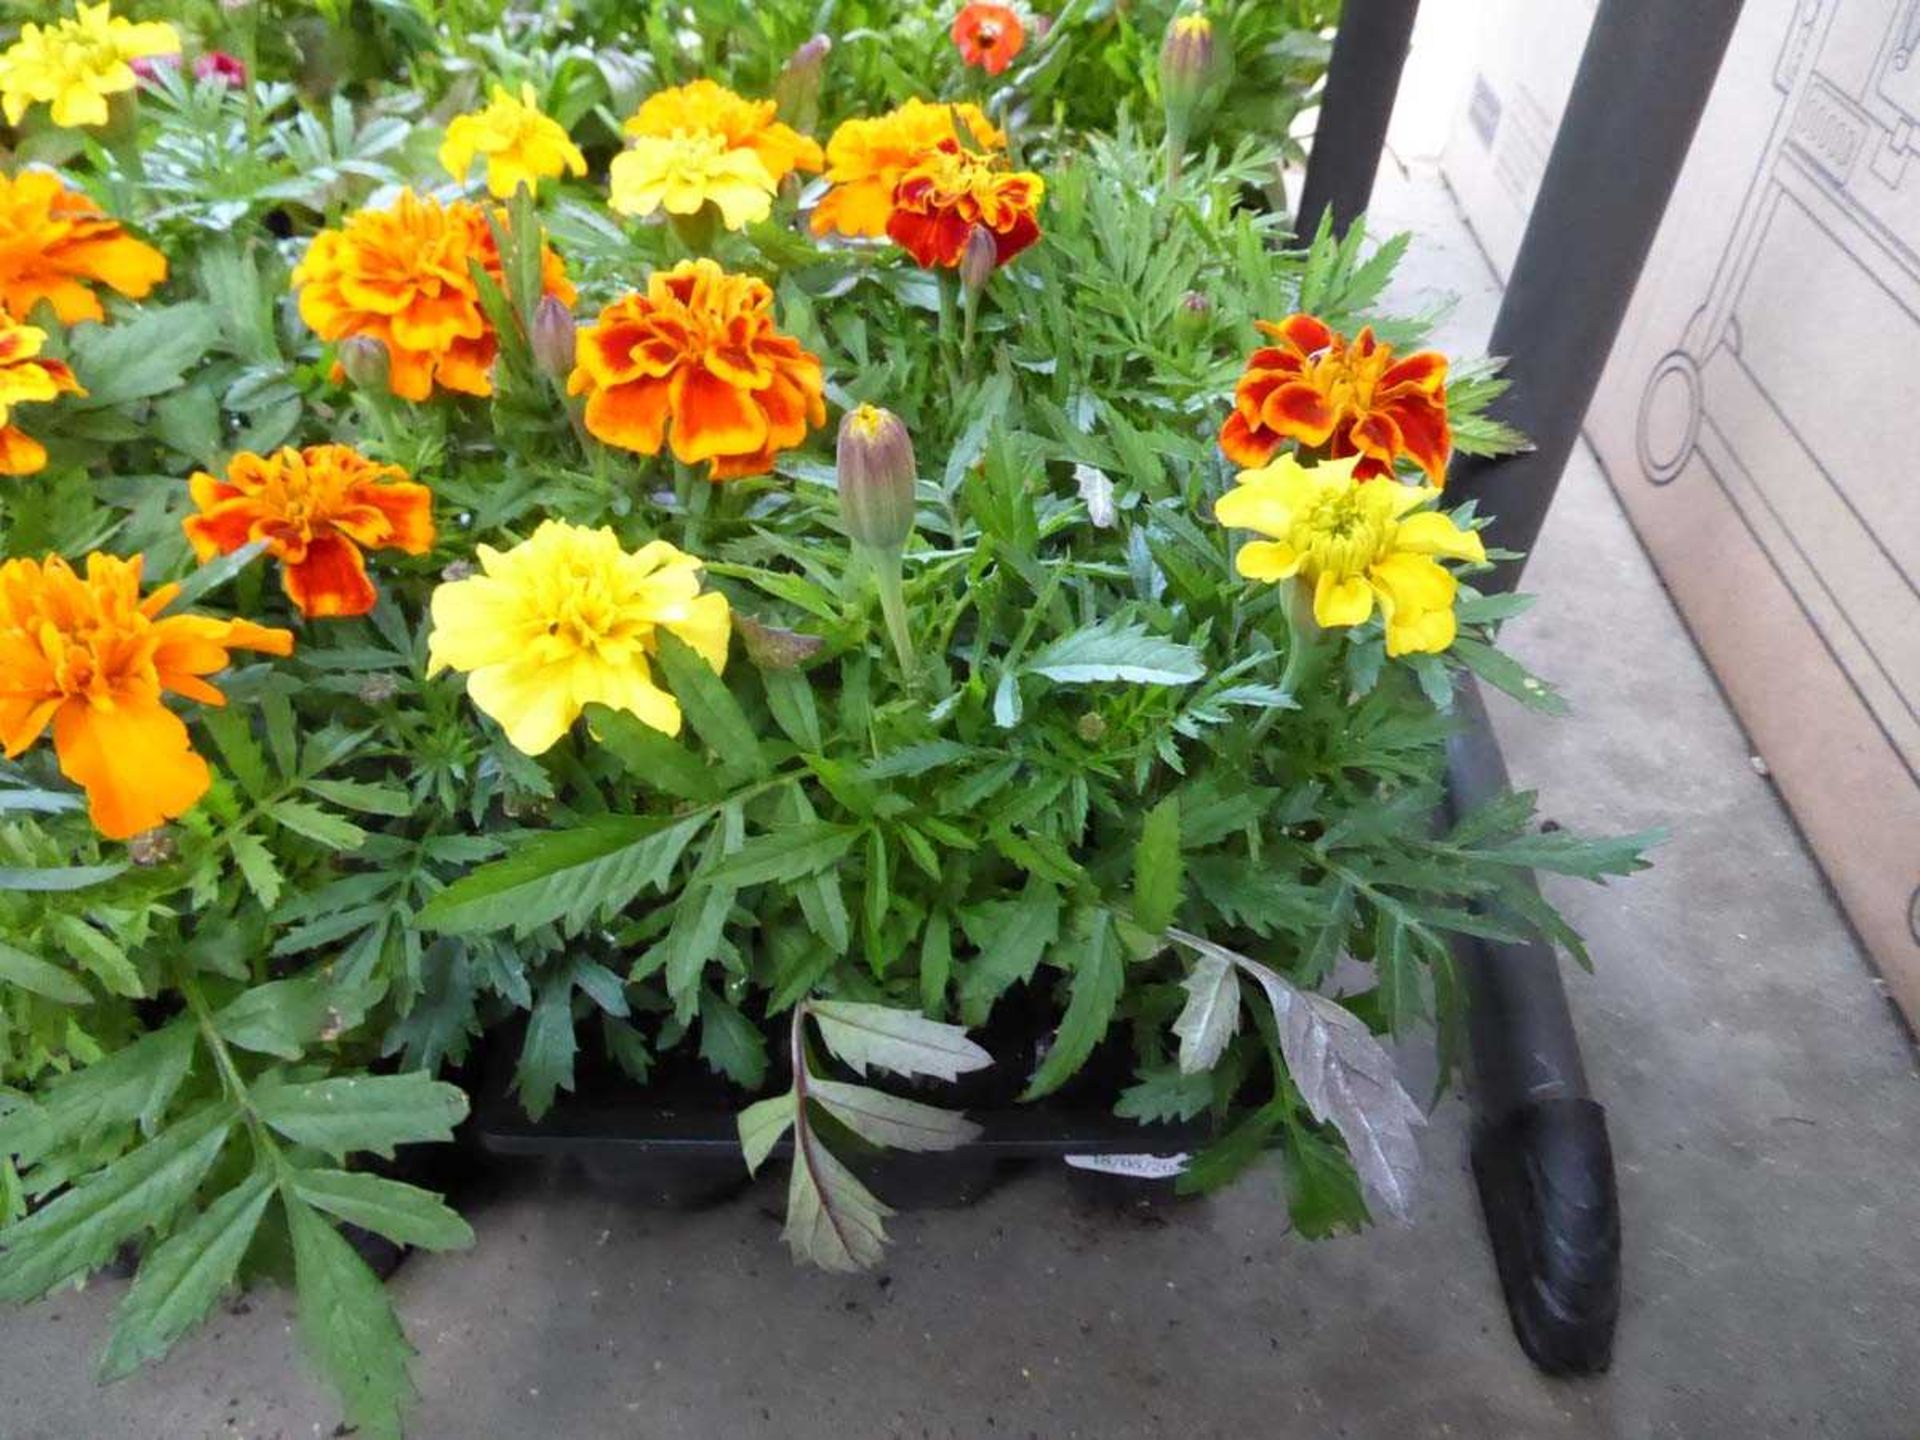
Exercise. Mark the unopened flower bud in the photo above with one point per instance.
(457, 570)
(553, 337)
(1195, 314)
(1188, 61)
(978, 259)
(1091, 727)
(876, 475)
(796, 92)
(378, 688)
(364, 361)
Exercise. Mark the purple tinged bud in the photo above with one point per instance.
(876, 476)
(796, 91)
(365, 362)
(553, 337)
(773, 647)
(978, 259)
(1188, 57)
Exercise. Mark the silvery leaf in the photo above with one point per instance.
(833, 1220)
(1097, 491)
(1211, 1015)
(761, 1126)
(888, 1120)
(903, 1041)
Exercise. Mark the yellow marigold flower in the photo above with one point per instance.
(867, 158)
(698, 350)
(55, 242)
(704, 107)
(26, 378)
(684, 172)
(1358, 543)
(401, 277)
(520, 145)
(568, 619)
(92, 659)
(317, 509)
(74, 64)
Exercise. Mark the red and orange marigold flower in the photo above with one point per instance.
(26, 378)
(1340, 397)
(866, 159)
(401, 277)
(988, 36)
(92, 659)
(55, 244)
(940, 199)
(316, 509)
(696, 361)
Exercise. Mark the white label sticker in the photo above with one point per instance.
(1138, 1167)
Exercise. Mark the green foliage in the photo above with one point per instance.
(1119, 801)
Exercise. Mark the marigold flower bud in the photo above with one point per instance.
(796, 92)
(1188, 60)
(978, 259)
(553, 337)
(365, 362)
(152, 847)
(1195, 315)
(876, 474)
(1091, 727)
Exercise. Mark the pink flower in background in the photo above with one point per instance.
(218, 65)
(148, 67)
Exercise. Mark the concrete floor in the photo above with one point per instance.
(1765, 1115)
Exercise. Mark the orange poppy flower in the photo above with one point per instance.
(401, 277)
(92, 659)
(867, 158)
(698, 354)
(1344, 397)
(940, 200)
(55, 243)
(26, 378)
(704, 107)
(988, 36)
(316, 508)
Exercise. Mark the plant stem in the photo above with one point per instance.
(695, 494)
(893, 607)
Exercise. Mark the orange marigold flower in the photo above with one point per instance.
(940, 201)
(1344, 397)
(401, 277)
(699, 350)
(26, 378)
(55, 242)
(92, 659)
(316, 508)
(866, 159)
(988, 36)
(703, 107)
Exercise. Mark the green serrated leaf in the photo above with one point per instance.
(761, 1126)
(181, 1279)
(321, 826)
(362, 1112)
(889, 1121)
(710, 709)
(348, 1324)
(1114, 650)
(1099, 972)
(881, 1037)
(833, 1221)
(730, 1043)
(1157, 875)
(405, 1214)
(40, 977)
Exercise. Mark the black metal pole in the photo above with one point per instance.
(1369, 50)
(1541, 1156)
(1644, 78)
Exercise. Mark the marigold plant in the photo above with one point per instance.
(520, 145)
(91, 658)
(26, 378)
(403, 277)
(695, 360)
(567, 619)
(76, 64)
(866, 159)
(56, 244)
(1340, 397)
(988, 36)
(315, 509)
(704, 107)
(948, 193)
